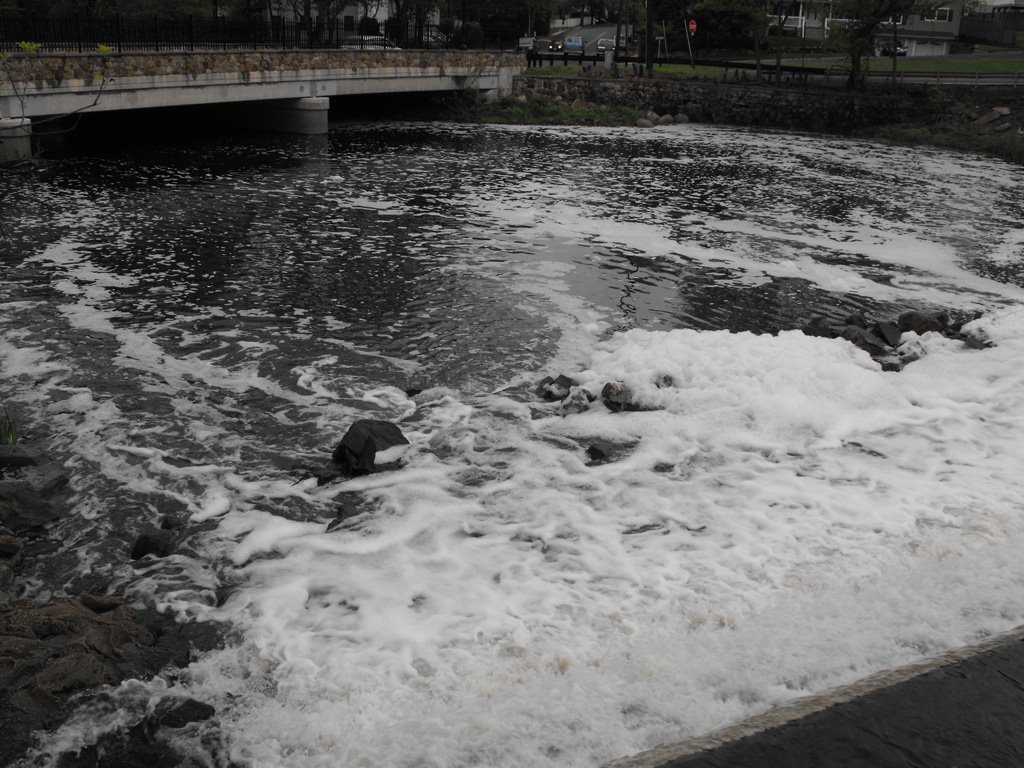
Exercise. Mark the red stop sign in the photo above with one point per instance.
(693, 27)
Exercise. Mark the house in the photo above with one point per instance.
(1002, 7)
(929, 33)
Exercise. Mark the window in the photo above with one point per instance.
(938, 14)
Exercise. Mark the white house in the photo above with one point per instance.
(925, 34)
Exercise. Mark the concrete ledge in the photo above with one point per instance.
(810, 705)
(15, 140)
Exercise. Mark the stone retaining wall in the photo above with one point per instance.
(807, 109)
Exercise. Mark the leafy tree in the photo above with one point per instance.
(865, 18)
(781, 10)
(747, 17)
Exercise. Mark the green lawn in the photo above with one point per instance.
(1007, 65)
(994, 66)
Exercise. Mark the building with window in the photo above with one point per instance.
(1002, 8)
(929, 33)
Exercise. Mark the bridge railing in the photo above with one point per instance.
(83, 34)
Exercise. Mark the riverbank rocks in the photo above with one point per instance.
(577, 401)
(883, 339)
(51, 653)
(573, 398)
(555, 389)
(357, 452)
(993, 121)
(152, 742)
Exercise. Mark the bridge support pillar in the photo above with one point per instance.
(15, 139)
(306, 115)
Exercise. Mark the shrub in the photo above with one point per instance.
(8, 429)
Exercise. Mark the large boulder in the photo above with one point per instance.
(923, 322)
(618, 397)
(357, 451)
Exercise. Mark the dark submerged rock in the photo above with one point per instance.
(177, 713)
(100, 603)
(358, 449)
(923, 322)
(11, 556)
(857, 319)
(158, 542)
(821, 327)
(15, 456)
(23, 509)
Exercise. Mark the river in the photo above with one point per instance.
(191, 327)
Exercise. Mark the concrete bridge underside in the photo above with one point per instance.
(285, 91)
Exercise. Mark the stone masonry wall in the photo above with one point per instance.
(809, 109)
(54, 69)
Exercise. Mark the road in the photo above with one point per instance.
(591, 34)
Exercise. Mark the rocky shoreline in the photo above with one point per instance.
(985, 120)
(60, 653)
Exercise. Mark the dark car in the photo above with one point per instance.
(605, 44)
(555, 46)
(890, 50)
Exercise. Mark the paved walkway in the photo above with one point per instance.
(966, 713)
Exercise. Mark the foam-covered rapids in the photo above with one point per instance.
(781, 517)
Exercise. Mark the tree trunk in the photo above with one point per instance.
(756, 30)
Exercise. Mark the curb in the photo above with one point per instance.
(809, 705)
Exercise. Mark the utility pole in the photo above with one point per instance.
(648, 39)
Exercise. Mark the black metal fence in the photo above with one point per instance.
(124, 34)
(998, 29)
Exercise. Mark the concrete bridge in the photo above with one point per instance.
(285, 90)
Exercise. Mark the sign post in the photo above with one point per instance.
(693, 31)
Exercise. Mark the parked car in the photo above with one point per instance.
(526, 43)
(368, 43)
(574, 45)
(900, 49)
(605, 44)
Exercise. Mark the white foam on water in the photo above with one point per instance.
(789, 519)
(784, 518)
